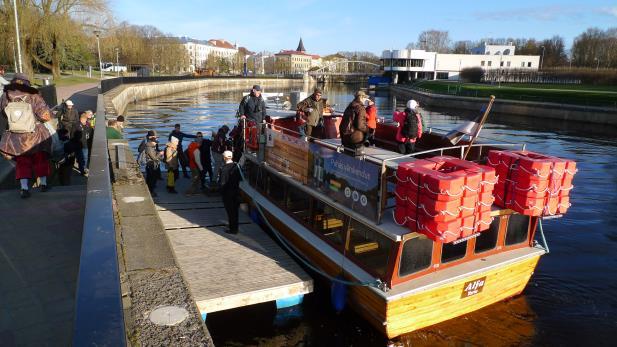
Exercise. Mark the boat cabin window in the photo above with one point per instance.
(329, 223)
(416, 256)
(451, 252)
(488, 238)
(251, 170)
(276, 189)
(298, 204)
(370, 247)
(518, 228)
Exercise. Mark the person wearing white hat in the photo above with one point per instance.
(68, 117)
(229, 182)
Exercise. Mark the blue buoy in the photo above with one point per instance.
(338, 295)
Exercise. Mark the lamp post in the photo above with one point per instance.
(542, 59)
(97, 33)
(117, 62)
(598, 63)
(17, 36)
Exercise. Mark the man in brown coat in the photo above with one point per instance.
(353, 128)
(30, 149)
(312, 108)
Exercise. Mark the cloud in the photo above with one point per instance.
(611, 11)
(541, 13)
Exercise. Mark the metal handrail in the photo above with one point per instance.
(98, 319)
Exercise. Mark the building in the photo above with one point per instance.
(411, 64)
(200, 50)
(296, 62)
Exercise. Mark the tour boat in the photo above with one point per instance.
(347, 218)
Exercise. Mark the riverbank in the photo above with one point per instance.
(569, 94)
(544, 110)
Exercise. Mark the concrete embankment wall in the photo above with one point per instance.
(595, 115)
(125, 94)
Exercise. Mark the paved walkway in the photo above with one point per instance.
(80, 94)
(40, 244)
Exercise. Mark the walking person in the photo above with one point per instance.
(409, 127)
(206, 161)
(25, 138)
(68, 116)
(153, 158)
(353, 127)
(195, 164)
(219, 145)
(171, 162)
(71, 145)
(229, 181)
(312, 109)
(181, 157)
(86, 133)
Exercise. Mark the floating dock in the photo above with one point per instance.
(226, 271)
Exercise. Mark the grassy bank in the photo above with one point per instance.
(575, 94)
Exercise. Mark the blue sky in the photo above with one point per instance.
(330, 26)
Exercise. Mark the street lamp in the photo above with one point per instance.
(542, 59)
(97, 33)
(17, 36)
(117, 67)
(598, 63)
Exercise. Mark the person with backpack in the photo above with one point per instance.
(26, 138)
(193, 153)
(409, 127)
(184, 162)
(353, 127)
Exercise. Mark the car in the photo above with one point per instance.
(110, 67)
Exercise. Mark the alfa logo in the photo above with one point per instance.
(473, 287)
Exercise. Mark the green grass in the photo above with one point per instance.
(557, 93)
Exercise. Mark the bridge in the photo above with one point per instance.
(346, 68)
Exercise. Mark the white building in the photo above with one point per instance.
(411, 64)
(200, 50)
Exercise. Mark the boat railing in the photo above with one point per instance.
(388, 165)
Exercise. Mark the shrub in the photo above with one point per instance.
(472, 74)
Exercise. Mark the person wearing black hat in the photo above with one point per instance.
(253, 106)
(153, 159)
(312, 110)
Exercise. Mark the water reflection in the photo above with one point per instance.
(574, 288)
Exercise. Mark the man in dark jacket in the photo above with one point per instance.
(184, 162)
(68, 116)
(86, 132)
(206, 161)
(312, 108)
(229, 181)
(253, 106)
(153, 158)
(353, 127)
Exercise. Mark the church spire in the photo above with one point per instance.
(300, 46)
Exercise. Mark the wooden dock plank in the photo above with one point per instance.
(225, 271)
(197, 218)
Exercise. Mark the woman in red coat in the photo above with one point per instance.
(371, 120)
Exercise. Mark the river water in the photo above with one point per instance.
(570, 300)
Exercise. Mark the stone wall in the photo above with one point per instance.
(595, 115)
(119, 97)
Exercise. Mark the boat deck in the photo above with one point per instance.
(225, 271)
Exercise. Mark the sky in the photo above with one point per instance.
(361, 25)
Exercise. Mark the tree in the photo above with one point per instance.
(434, 41)
(462, 47)
(554, 52)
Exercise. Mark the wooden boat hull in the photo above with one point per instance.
(406, 312)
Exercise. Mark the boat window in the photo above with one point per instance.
(329, 222)
(451, 252)
(250, 170)
(518, 228)
(276, 189)
(260, 178)
(298, 204)
(488, 238)
(416, 256)
(370, 247)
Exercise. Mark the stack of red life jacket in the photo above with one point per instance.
(444, 198)
(532, 184)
